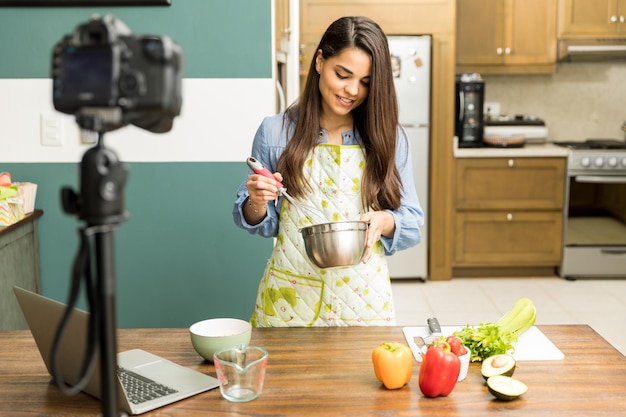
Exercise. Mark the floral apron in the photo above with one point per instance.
(294, 291)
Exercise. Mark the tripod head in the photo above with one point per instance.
(103, 177)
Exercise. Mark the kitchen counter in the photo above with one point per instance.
(328, 372)
(543, 150)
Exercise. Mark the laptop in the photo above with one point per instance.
(176, 382)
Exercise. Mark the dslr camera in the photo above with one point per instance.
(109, 78)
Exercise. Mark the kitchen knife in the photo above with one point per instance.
(435, 329)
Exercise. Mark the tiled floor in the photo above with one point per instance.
(461, 301)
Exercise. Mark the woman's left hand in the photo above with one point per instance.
(380, 223)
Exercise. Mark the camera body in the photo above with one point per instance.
(110, 78)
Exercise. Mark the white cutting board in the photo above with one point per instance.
(532, 345)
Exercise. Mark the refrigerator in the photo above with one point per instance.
(411, 61)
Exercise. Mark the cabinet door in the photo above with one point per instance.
(510, 183)
(530, 37)
(283, 26)
(508, 238)
(592, 18)
(480, 32)
(506, 36)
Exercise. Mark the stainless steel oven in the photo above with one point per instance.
(595, 217)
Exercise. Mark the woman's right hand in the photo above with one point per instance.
(262, 189)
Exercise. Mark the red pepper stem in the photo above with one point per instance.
(442, 344)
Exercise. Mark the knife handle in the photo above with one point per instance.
(433, 325)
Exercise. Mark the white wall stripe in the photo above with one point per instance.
(217, 123)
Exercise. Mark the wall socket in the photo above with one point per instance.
(491, 109)
(52, 129)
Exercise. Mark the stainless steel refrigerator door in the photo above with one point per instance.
(411, 57)
(412, 81)
(413, 262)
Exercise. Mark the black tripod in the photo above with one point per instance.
(100, 204)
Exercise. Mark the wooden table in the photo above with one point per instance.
(328, 372)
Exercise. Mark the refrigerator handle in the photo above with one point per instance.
(461, 106)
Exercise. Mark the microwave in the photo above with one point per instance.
(470, 98)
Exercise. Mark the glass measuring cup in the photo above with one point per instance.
(241, 372)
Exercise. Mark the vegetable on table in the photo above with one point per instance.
(456, 346)
(489, 339)
(506, 388)
(393, 364)
(439, 370)
(520, 318)
(502, 364)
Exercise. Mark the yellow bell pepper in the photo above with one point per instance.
(393, 364)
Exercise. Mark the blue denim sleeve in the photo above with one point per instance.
(409, 217)
(269, 142)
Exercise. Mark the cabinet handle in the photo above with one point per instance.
(511, 163)
(509, 217)
(499, 51)
(507, 51)
(613, 19)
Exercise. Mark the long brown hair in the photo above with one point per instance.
(376, 119)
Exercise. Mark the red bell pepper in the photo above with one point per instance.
(439, 370)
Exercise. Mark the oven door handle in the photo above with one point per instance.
(600, 179)
(613, 251)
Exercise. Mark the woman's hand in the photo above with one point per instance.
(262, 189)
(380, 223)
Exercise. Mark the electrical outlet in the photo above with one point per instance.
(491, 109)
(52, 129)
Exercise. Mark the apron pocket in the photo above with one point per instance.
(291, 300)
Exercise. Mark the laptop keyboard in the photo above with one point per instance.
(140, 389)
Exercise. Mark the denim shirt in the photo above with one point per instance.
(270, 141)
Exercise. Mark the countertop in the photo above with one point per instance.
(328, 372)
(28, 218)
(543, 150)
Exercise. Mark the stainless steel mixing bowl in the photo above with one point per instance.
(335, 244)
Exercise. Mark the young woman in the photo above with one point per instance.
(340, 149)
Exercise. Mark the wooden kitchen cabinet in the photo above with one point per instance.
(509, 212)
(506, 36)
(592, 18)
(283, 27)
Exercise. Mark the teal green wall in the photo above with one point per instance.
(179, 258)
(220, 39)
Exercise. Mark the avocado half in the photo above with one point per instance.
(505, 388)
(503, 364)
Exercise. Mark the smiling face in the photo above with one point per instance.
(344, 81)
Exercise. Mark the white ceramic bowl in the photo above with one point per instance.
(212, 335)
(465, 360)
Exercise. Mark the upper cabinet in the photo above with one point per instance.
(283, 26)
(593, 18)
(506, 36)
